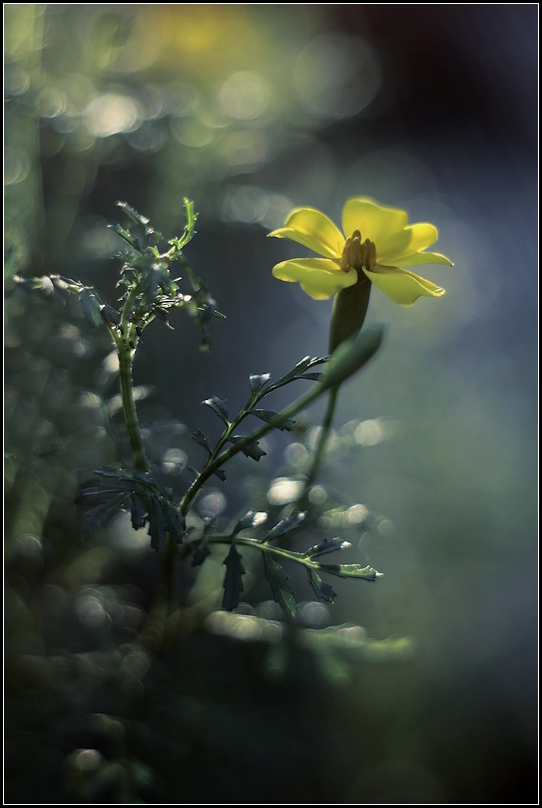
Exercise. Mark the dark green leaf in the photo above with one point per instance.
(175, 523)
(219, 406)
(323, 590)
(251, 450)
(91, 307)
(233, 583)
(258, 381)
(201, 439)
(157, 526)
(201, 552)
(280, 588)
(286, 525)
(99, 516)
(139, 512)
(268, 415)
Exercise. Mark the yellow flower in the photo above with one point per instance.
(377, 242)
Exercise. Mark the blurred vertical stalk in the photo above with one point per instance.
(23, 192)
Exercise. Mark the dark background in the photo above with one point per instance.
(251, 111)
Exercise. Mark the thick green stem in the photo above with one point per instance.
(128, 405)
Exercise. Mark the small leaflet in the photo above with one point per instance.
(220, 406)
(258, 381)
(280, 588)
(313, 377)
(91, 307)
(268, 415)
(233, 583)
(201, 439)
(176, 525)
(286, 525)
(251, 449)
(250, 519)
(298, 369)
(327, 546)
(139, 512)
(323, 590)
(351, 571)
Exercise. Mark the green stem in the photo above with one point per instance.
(126, 355)
(322, 439)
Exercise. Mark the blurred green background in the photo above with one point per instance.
(251, 110)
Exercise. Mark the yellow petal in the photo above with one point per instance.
(314, 230)
(402, 286)
(423, 258)
(411, 240)
(319, 277)
(378, 224)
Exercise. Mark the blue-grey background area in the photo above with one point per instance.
(451, 137)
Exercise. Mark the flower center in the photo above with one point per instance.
(357, 253)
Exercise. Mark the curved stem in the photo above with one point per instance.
(126, 355)
(322, 439)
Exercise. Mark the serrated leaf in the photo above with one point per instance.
(327, 546)
(280, 588)
(220, 406)
(351, 571)
(157, 526)
(251, 450)
(286, 525)
(233, 583)
(323, 590)
(139, 512)
(175, 523)
(257, 381)
(268, 415)
(91, 307)
(201, 439)
(201, 552)
(99, 516)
